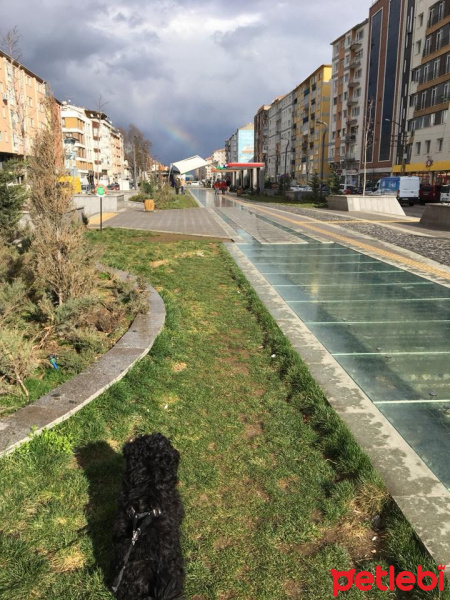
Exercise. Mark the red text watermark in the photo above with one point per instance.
(387, 580)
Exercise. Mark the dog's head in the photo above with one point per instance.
(154, 457)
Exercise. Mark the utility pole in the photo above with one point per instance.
(367, 132)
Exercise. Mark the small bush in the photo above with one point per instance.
(18, 358)
(138, 197)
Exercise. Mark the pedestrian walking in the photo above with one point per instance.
(223, 186)
(183, 183)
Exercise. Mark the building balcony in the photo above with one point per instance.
(350, 138)
(355, 63)
(356, 45)
(353, 83)
(352, 101)
(349, 157)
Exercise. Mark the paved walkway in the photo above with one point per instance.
(192, 221)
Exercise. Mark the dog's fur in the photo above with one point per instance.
(155, 568)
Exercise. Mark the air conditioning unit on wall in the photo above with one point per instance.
(5, 97)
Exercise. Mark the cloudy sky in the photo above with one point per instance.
(188, 73)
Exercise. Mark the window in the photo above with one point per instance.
(446, 92)
(28, 80)
(440, 144)
(426, 71)
(0, 136)
(441, 11)
(417, 147)
(427, 45)
(447, 64)
(433, 96)
(423, 100)
(427, 147)
(418, 46)
(420, 20)
(436, 67)
(439, 39)
(30, 101)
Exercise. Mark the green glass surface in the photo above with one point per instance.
(382, 311)
(344, 279)
(408, 336)
(400, 377)
(323, 268)
(361, 293)
(426, 427)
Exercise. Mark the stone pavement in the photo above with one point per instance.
(405, 233)
(192, 221)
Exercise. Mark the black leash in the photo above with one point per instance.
(146, 518)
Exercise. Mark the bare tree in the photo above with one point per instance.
(137, 150)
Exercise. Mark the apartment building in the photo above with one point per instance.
(311, 116)
(425, 149)
(261, 126)
(347, 103)
(285, 162)
(274, 140)
(22, 108)
(78, 142)
(217, 158)
(387, 87)
(231, 148)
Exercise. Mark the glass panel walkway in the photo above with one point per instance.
(388, 328)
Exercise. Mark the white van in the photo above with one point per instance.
(445, 193)
(405, 189)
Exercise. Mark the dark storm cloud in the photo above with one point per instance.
(196, 68)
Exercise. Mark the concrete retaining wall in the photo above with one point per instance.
(436, 215)
(386, 205)
(91, 204)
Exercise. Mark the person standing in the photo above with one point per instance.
(183, 183)
(177, 185)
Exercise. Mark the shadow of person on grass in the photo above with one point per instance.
(103, 468)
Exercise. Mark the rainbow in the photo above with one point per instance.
(179, 135)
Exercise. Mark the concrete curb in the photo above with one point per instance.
(70, 397)
(422, 498)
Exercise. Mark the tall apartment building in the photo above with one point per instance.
(285, 163)
(231, 149)
(311, 100)
(240, 147)
(274, 140)
(425, 149)
(261, 126)
(22, 108)
(78, 142)
(347, 102)
(388, 71)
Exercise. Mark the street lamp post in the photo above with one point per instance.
(285, 165)
(401, 135)
(323, 154)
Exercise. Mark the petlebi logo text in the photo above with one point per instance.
(387, 580)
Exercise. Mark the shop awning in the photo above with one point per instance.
(189, 164)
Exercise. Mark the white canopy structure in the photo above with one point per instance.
(188, 164)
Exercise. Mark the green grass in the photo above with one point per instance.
(276, 491)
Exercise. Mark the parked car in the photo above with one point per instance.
(445, 193)
(405, 189)
(352, 190)
(429, 193)
(194, 183)
(113, 186)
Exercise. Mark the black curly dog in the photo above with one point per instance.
(148, 563)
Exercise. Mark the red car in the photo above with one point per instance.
(429, 193)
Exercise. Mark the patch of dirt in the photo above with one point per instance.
(159, 263)
(285, 484)
(178, 367)
(259, 393)
(292, 588)
(252, 430)
(358, 541)
(222, 543)
(64, 564)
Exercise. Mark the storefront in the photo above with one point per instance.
(429, 172)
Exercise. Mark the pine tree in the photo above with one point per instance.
(334, 182)
(12, 197)
(314, 182)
